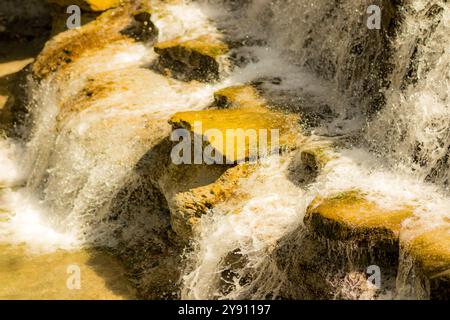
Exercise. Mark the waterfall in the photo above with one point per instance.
(87, 169)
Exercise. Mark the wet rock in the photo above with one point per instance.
(316, 155)
(329, 256)
(310, 160)
(426, 267)
(199, 59)
(243, 134)
(142, 28)
(89, 5)
(192, 190)
(349, 216)
(13, 96)
(244, 96)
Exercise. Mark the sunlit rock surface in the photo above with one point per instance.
(244, 96)
(90, 5)
(192, 190)
(226, 129)
(426, 269)
(123, 24)
(349, 216)
(307, 224)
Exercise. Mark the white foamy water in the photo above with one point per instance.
(26, 223)
(22, 220)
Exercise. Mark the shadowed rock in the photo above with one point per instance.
(349, 216)
(197, 59)
(124, 24)
(192, 190)
(427, 264)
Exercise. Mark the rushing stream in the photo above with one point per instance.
(73, 182)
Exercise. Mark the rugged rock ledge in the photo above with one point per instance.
(425, 271)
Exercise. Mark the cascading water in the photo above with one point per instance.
(409, 137)
(95, 121)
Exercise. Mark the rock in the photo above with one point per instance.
(122, 24)
(192, 190)
(89, 5)
(244, 96)
(310, 160)
(316, 155)
(142, 28)
(199, 59)
(428, 254)
(24, 20)
(240, 135)
(349, 216)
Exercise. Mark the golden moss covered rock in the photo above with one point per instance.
(196, 59)
(89, 5)
(124, 24)
(239, 135)
(350, 216)
(429, 253)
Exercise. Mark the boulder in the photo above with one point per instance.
(428, 254)
(192, 190)
(199, 59)
(124, 24)
(243, 134)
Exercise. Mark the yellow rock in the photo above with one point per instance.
(349, 216)
(316, 155)
(240, 134)
(90, 5)
(432, 251)
(118, 25)
(430, 256)
(244, 96)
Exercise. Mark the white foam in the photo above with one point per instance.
(26, 223)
